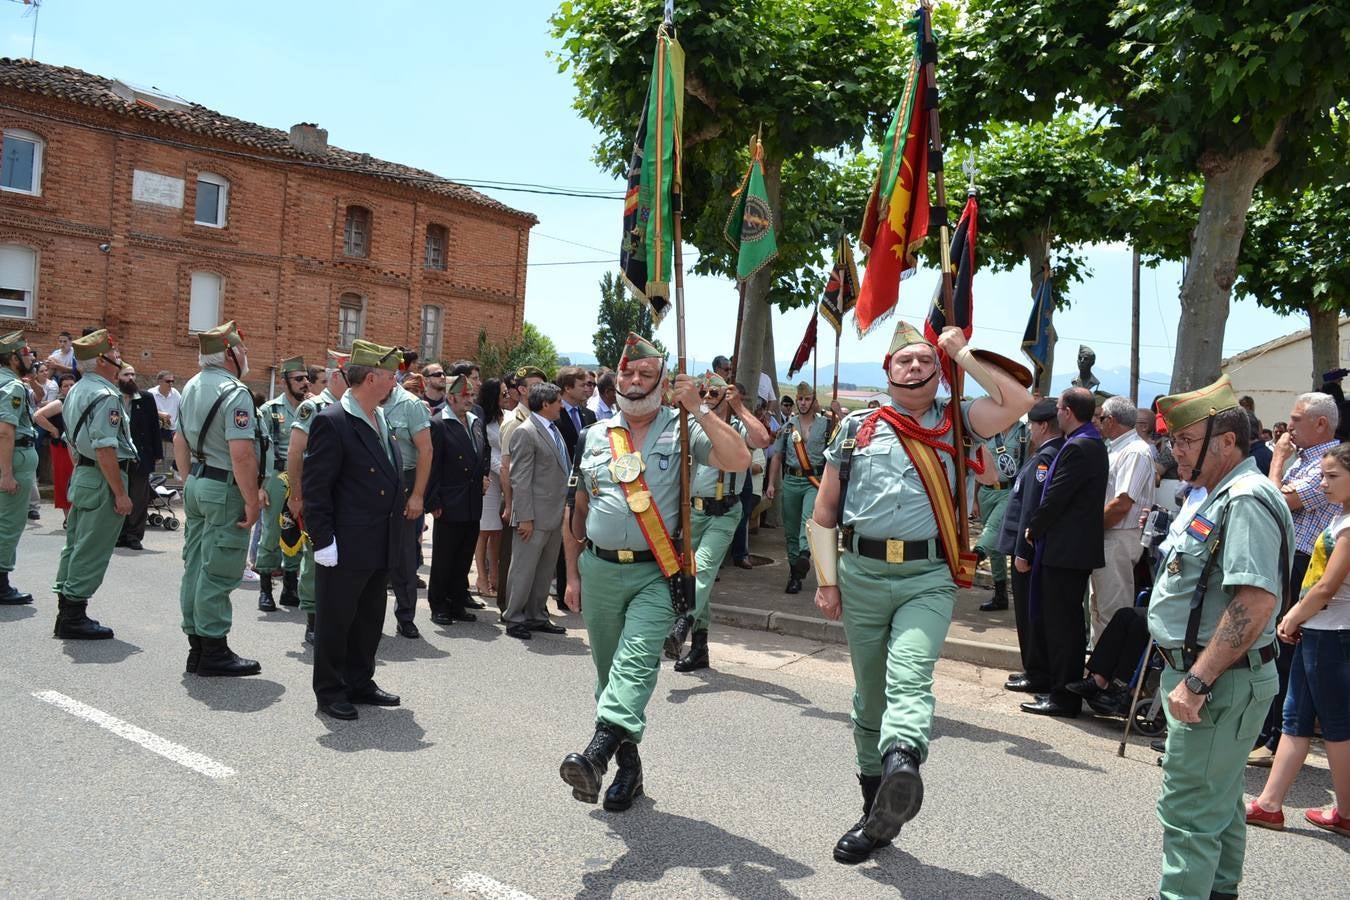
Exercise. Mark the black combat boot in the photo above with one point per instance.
(584, 770)
(10, 595)
(73, 624)
(899, 795)
(290, 591)
(309, 629)
(855, 846)
(678, 632)
(797, 573)
(697, 657)
(999, 600)
(265, 601)
(218, 659)
(627, 784)
(194, 653)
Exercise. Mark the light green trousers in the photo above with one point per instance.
(307, 578)
(993, 502)
(712, 538)
(14, 507)
(270, 556)
(799, 501)
(215, 550)
(92, 529)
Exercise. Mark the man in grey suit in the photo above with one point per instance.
(539, 470)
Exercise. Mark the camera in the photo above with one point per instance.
(1155, 528)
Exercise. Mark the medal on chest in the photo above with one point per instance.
(626, 468)
(640, 501)
(1174, 567)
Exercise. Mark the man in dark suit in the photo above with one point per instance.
(459, 469)
(144, 417)
(572, 420)
(1068, 531)
(353, 497)
(1046, 439)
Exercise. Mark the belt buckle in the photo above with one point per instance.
(895, 551)
(625, 556)
(698, 504)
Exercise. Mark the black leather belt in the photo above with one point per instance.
(799, 473)
(202, 470)
(23, 442)
(123, 464)
(896, 551)
(622, 556)
(713, 507)
(1174, 657)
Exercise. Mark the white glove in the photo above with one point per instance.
(328, 555)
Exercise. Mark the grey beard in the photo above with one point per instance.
(642, 407)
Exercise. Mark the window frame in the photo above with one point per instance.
(218, 317)
(360, 310)
(39, 152)
(444, 248)
(222, 199)
(31, 300)
(348, 220)
(427, 349)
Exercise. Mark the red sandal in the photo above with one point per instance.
(1330, 819)
(1263, 819)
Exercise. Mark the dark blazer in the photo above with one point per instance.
(458, 465)
(145, 432)
(352, 492)
(1026, 496)
(568, 431)
(1069, 515)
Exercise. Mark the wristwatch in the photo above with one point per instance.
(1196, 685)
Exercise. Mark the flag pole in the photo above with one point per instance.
(834, 393)
(953, 371)
(815, 352)
(740, 317)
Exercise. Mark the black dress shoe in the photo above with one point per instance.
(131, 544)
(373, 696)
(338, 709)
(744, 564)
(471, 603)
(1045, 706)
(547, 628)
(519, 631)
(1025, 685)
(794, 585)
(463, 616)
(441, 618)
(993, 605)
(408, 630)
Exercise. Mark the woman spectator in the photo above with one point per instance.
(1318, 627)
(489, 428)
(49, 419)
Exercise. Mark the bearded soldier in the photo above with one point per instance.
(627, 505)
(799, 454)
(18, 458)
(887, 499)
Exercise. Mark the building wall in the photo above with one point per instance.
(1274, 378)
(280, 254)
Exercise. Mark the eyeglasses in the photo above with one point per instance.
(166, 381)
(712, 393)
(433, 374)
(1186, 443)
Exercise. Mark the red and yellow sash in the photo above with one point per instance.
(934, 477)
(649, 519)
(803, 461)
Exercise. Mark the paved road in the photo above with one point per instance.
(456, 793)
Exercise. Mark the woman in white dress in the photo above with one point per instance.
(490, 525)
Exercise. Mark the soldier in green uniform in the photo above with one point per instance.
(277, 416)
(1212, 614)
(896, 580)
(717, 510)
(333, 390)
(627, 509)
(410, 422)
(1004, 454)
(799, 453)
(220, 435)
(100, 436)
(18, 458)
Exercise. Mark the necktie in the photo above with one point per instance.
(558, 444)
(576, 419)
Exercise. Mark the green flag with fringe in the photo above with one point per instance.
(749, 228)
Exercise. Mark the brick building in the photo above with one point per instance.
(130, 208)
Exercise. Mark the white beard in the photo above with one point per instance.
(644, 407)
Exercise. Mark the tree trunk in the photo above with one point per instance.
(750, 359)
(1208, 283)
(1326, 342)
(768, 359)
(1033, 243)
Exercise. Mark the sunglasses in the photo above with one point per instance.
(433, 374)
(298, 377)
(710, 392)
(166, 381)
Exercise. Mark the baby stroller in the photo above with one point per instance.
(160, 513)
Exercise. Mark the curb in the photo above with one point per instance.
(980, 653)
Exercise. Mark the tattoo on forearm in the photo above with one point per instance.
(1233, 626)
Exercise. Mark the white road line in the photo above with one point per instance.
(150, 741)
(483, 886)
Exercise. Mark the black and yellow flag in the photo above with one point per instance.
(841, 291)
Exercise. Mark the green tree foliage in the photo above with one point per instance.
(532, 348)
(619, 314)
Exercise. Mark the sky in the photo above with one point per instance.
(469, 91)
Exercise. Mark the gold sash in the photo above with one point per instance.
(642, 504)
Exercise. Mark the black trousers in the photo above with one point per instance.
(1121, 644)
(503, 565)
(452, 546)
(1033, 656)
(1270, 731)
(349, 607)
(403, 567)
(1061, 629)
(138, 488)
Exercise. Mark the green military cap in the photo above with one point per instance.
(530, 372)
(338, 359)
(713, 381)
(366, 353)
(219, 339)
(459, 386)
(12, 342)
(90, 346)
(1180, 410)
(294, 364)
(805, 390)
(905, 335)
(638, 347)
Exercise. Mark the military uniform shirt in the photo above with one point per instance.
(380, 426)
(510, 423)
(234, 420)
(14, 406)
(703, 483)
(407, 416)
(1249, 554)
(609, 521)
(278, 415)
(107, 426)
(886, 498)
(304, 415)
(815, 442)
(1015, 444)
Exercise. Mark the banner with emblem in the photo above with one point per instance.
(749, 228)
(841, 291)
(1039, 337)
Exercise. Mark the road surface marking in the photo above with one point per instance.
(150, 741)
(483, 886)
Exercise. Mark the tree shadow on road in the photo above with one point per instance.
(659, 842)
(101, 652)
(401, 649)
(390, 730)
(556, 645)
(485, 632)
(903, 872)
(1031, 750)
(17, 613)
(713, 682)
(246, 695)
